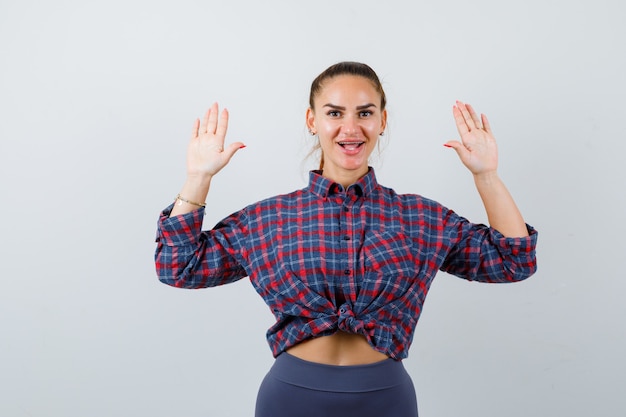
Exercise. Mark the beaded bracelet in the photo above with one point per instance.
(180, 201)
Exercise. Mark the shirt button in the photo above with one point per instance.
(346, 208)
(346, 272)
(346, 237)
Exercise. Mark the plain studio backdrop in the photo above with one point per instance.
(97, 101)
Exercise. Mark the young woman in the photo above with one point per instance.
(345, 263)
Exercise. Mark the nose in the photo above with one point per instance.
(350, 125)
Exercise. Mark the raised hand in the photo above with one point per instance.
(206, 154)
(477, 149)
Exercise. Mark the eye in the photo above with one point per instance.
(365, 113)
(333, 113)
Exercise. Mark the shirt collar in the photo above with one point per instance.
(324, 187)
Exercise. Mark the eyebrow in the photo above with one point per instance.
(362, 107)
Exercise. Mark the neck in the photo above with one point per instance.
(345, 177)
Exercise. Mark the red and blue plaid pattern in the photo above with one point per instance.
(325, 259)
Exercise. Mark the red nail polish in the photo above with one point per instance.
(242, 146)
(447, 146)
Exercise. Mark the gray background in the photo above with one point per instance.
(97, 100)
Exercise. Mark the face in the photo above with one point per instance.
(348, 121)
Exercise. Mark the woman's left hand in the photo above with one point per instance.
(477, 149)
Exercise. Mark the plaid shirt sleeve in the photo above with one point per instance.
(481, 253)
(186, 257)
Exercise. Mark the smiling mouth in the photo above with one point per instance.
(350, 145)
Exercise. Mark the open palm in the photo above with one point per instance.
(477, 148)
(206, 154)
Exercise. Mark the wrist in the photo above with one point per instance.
(180, 200)
(198, 181)
(192, 196)
(486, 178)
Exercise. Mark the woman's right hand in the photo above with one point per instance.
(206, 154)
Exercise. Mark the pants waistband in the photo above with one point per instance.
(354, 378)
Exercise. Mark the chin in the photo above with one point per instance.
(354, 167)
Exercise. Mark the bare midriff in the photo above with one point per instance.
(341, 348)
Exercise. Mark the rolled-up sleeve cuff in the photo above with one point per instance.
(181, 230)
(516, 246)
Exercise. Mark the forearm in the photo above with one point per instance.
(195, 189)
(502, 212)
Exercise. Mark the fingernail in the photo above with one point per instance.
(447, 146)
(242, 146)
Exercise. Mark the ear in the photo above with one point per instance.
(383, 121)
(310, 120)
